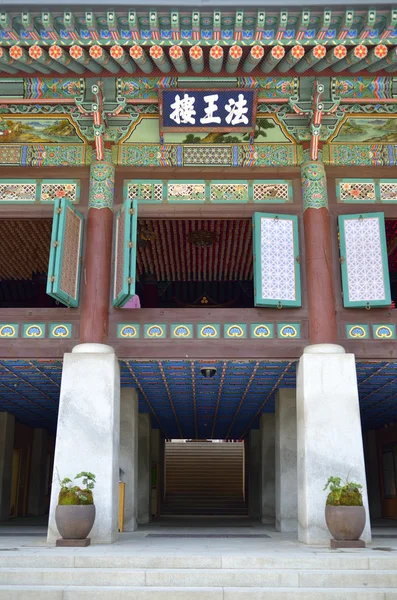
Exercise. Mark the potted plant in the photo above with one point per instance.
(75, 513)
(344, 511)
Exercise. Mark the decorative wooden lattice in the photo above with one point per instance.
(178, 192)
(388, 191)
(24, 192)
(367, 190)
(69, 190)
(30, 191)
(280, 192)
(146, 191)
(198, 191)
(357, 191)
(229, 192)
(213, 156)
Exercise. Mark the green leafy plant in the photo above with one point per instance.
(348, 494)
(73, 494)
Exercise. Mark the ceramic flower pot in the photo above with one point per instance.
(75, 522)
(345, 522)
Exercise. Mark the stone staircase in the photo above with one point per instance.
(318, 575)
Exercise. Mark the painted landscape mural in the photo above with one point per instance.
(37, 130)
(368, 130)
(147, 131)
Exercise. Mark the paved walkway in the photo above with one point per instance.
(191, 536)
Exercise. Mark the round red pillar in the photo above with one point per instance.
(319, 274)
(95, 309)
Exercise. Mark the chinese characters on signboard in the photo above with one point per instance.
(194, 110)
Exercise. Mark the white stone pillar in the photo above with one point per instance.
(144, 468)
(329, 435)
(268, 504)
(88, 434)
(7, 424)
(129, 454)
(286, 461)
(254, 474)
(38, 473)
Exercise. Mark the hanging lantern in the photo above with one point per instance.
(202, 238)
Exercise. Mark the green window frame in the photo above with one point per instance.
(125, 240)
(273, 299)
(352, 266)
(67, 234)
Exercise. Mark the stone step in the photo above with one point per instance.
(29, 592)
(199, 578)
(322, 561)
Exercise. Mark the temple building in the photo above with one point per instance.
(198, 260)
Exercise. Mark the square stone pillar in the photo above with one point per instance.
(144, 468)
(329, 435)
(254, 474)
(129, 454)
(286, 461)
(268, 503)
(37, 480)
(7, 424)
(88, 434)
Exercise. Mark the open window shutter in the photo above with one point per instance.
(363, 250)
(63, 281)
(125, 253)
(276, 260)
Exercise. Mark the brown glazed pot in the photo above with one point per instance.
(75, 522)
(345, 522)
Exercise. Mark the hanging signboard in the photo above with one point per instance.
(206, 110)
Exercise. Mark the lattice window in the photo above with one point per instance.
(388, 191)
(365, 274)
(357, 191)
(229, 192)
(71, 252)
(132, 191)
(179, 191)
(363, 242)
(18, 192)
(277, 259)
(145, 191)
(50, 191)
(265, 192)
(276, 264)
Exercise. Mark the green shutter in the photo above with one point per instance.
(365, 270)
(276, 260)
(63, 282)
(125, 253)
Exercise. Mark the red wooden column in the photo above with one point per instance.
(95, 309)
(320, 286)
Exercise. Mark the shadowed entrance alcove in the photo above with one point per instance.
(195, 263)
